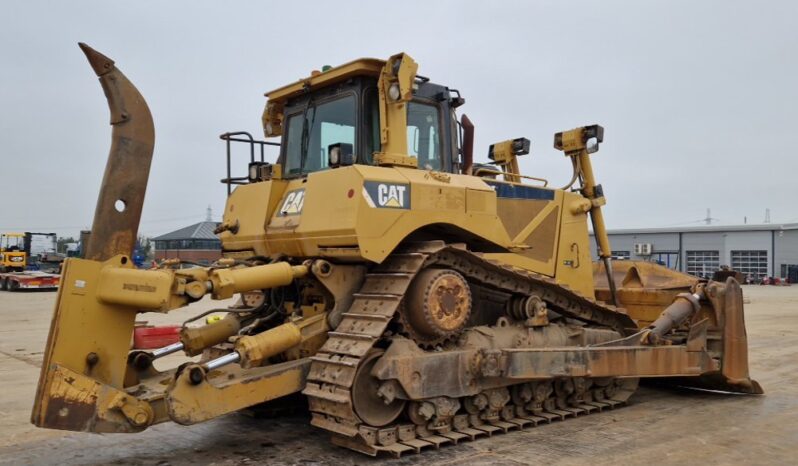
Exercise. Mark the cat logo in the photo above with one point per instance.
(293, 203)
(387, 195)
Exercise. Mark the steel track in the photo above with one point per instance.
(333, 368)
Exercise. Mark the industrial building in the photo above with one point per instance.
(758, 251)
(194, 243)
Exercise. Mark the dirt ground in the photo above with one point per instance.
(657, 427)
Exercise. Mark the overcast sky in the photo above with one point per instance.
(698, 99)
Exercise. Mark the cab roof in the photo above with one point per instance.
(359, 67)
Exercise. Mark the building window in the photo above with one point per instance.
(752, 264)
(703, 263)
(621, 255)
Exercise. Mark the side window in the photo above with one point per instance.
(293, 143)
(423, 135)
(332, 133)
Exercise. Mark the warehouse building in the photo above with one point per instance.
(194, 243)
(758, 251)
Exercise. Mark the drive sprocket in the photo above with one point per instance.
(437, 306)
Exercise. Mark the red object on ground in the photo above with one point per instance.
(155, 337)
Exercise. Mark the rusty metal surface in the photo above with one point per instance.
(188, 403)
(639, 361)
(370, 407)
(437, 306)
(735, 341)
(673, 316)
(121, 198)
(78, 403)
(641, 274)
(716, 309)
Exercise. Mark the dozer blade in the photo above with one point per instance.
(733, 376)
(647, 288)
(82, 377)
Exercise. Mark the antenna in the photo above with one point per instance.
(208, 214)
(709, 218)
(767, 215)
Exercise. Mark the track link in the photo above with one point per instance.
(405, 438)
(333, 368)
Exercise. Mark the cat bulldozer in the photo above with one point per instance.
(413, 297)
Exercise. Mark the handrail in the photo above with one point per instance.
(231, 137)
(499, 172)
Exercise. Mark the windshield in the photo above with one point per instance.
(11, 242)
(311, 132)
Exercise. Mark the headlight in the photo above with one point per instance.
(335, 155)
(340, 154)
(259, 171)
(393, 91)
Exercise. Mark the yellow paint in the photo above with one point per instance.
(398, 76)
(189, 404)
(273, 113)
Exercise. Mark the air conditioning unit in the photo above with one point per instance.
(643, 249)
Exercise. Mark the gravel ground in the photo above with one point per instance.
(658, 426)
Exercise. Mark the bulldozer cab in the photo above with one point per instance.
(347, 117)
(12, 242)
(342, 116)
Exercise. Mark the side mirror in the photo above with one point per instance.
(340, 154)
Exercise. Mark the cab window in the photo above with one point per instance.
(423, 135)
(312, 131)
(372, 125)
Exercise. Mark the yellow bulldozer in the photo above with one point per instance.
(414, 297)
